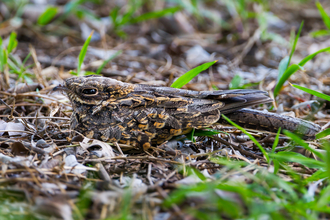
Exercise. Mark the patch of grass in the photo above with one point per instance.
(13, 205)
(74, 7)
(20, 69)
(9, 63)
(5, 51)
(81, 58)
(154, 14)
(77, 9)
(249, 191)
(262, 194)
(294, 68)
(286, 70)
(83, 201)
(119, 20)
(17, 6)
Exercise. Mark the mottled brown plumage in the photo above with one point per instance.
(143, 115)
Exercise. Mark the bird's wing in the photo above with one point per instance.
(180, 100)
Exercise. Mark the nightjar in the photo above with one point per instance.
(143, 115)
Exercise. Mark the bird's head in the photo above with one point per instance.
(92, 89)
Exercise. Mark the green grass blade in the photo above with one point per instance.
(208, 133)
(12, 44)
(277, 138)
(311, 56)
(83, 52)
(322, 134)
(26, 58)
(128, 15)
(22, 67)
(73, 73)
(312, 92)
(326, 146)
(323, 200)
(98, 71)
(13, 68)
(298, 158)
(249, 85)
(47, 16)
(185, 78)
(114, 16)
(324, 15)
(250, 136)
(276, 162)
(236, 82)
(228, 163)
(282, 67)
(155, 14)
(5, 57)
(2, 56)
(286, 75)
(320, 174)
(320, 33)
(302, 143)
(284, 70)
(276, 166)
(190, 135)
(295, 43)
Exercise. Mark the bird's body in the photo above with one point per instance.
(143, 115)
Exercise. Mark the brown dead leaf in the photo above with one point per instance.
(18, 149)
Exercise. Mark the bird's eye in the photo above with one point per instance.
(89, 91)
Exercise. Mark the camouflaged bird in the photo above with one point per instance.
(143, 115)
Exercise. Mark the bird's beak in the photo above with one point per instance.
(60, 88)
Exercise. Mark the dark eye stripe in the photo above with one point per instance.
(89, 91)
